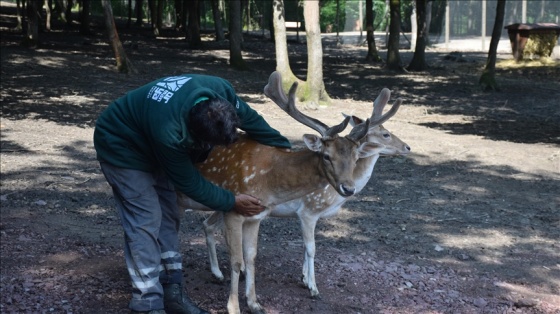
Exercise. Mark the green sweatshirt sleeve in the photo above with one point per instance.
(257, 128)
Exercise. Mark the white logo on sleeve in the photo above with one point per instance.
(164, 90)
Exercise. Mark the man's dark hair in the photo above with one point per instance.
(214, 121)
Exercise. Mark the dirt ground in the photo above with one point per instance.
(467, 223)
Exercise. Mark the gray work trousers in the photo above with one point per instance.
(147, 205)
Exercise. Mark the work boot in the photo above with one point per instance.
(176, 301)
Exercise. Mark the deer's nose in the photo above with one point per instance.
(347, 191)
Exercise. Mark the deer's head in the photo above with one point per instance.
(338, 155)
(376, 132)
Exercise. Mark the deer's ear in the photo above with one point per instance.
(313, 142)
(369, 149)
(353, 120)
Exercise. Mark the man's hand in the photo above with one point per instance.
(247, 205)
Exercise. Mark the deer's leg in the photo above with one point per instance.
(250, 239)
(233, 232)
(212, 223)
(308, 223)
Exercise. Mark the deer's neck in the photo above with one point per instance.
(295, 175)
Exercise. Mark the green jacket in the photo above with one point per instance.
(146, 129)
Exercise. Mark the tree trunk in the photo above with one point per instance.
(129, 7)
(32, 32)
(139, 10)
(19, 9)
(428, 21)
(123, 63)
(372, 54)
(218, 25)
(314, 88)
(488, 78)
(179, 13)
(159, 15)
(281, 45)
(235, 36)
(152, 6)
(85, 9)
(47, 6)
(418, 62)
(193, 28)
(69, 6)
(393, 56)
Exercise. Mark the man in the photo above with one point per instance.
(147, 143)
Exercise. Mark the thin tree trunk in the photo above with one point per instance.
(69, 17)
(418, 62)
(159, 20)
(281, 44)
(372, 54)
(32, 31)
(152, 6)
(393, 56)
(314, 88)
(218, 25)
(139, 9)
(179, 10)
(85, 17)
(193, 27)
(123, 63)
(48, 18)
(235, 36)
(488, 78)
(129, 7)
(19, 9)
(428, 21)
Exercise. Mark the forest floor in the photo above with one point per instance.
(469, 222)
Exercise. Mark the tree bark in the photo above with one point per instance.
(314, 88)
(47, 6)
(159, 16)
(428, 21)
(85, 9)
(193, 27)
(235, 36)
(139, 10)
(19, 9)
(218, 25)
(123, 63)
(32, 31)
(418, 62)
(281, 45)
(152, 6)
(393, 56)
(488, 78)
(372, 54)
(69, 17)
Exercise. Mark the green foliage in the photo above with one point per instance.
(328, 13)
(540, 45)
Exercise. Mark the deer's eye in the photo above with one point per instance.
(386, 135)
(326, 158)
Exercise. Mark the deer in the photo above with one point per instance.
(277, 176)
(325, 202)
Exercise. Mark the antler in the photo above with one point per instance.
(359, 131)
(378, 105)
(274, 91)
